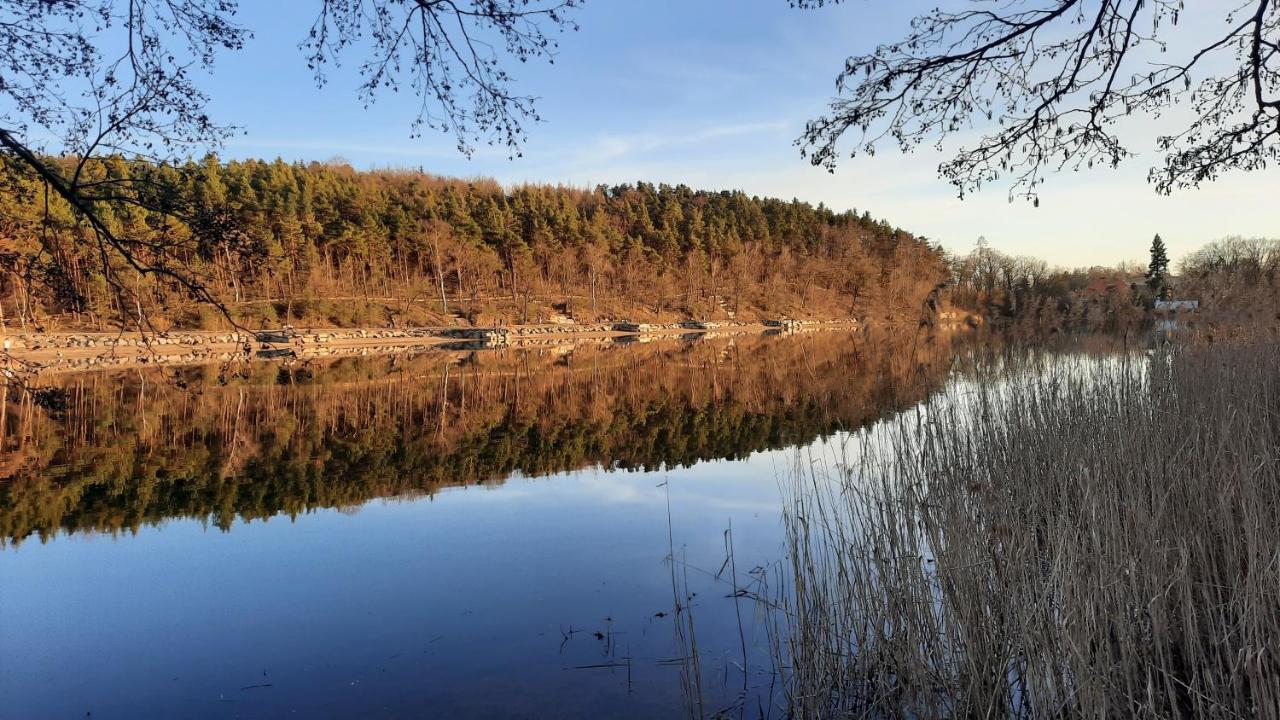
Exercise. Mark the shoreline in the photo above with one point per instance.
(38, 353)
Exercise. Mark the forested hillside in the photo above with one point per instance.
(322, 243)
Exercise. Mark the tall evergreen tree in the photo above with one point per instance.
(1158, 269)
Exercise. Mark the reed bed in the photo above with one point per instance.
(1085, 538)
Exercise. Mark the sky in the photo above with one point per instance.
(713, 94)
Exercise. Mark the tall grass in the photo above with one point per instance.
(1087, 539)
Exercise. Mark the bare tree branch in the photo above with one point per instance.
(1050, 80)
(452, 54)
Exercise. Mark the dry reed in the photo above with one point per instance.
(1089, 538)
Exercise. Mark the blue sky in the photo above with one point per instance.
(712, 94)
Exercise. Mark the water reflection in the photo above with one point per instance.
(122, 594)
(137, 447)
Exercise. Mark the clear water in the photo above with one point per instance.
(345, 540)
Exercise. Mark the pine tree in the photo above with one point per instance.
(325, 233)
(1158, 270)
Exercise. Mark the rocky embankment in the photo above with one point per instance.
(72, 351)
(57, 352)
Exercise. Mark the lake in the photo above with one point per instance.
(559, 531)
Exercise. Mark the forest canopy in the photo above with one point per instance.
(271, 239)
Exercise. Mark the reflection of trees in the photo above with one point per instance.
(135, 448)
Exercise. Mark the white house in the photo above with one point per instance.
(1177, 305)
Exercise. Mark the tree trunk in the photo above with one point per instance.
(435, 252)
(593, 292)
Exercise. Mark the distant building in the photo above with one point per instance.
(1177, 305)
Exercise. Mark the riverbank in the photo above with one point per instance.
(64, 352)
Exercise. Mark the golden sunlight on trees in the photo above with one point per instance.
(325, 244)
(107, 79)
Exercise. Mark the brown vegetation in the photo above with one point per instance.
(1029, 294)
(325, 245)
(1236, 280)
(112, 450)
(1088, 539)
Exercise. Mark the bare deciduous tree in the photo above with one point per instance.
(446, 52)
(1050, 79)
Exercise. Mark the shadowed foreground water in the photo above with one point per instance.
(445, 535)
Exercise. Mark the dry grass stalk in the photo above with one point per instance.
(1090, 539)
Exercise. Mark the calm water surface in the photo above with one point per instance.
(462, 534)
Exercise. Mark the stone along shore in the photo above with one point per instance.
(71, 351)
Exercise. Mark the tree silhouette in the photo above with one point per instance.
(444, 51)
(1051, 79)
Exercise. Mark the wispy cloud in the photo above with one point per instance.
(608, 147)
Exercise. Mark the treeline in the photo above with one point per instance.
(129, 449)
(1026, 291)
(1236, 276)
(280, 242)
(1234, 280)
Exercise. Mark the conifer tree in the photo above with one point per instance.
(1158, 269)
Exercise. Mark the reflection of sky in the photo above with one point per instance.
(475, 602)
(453, 604)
